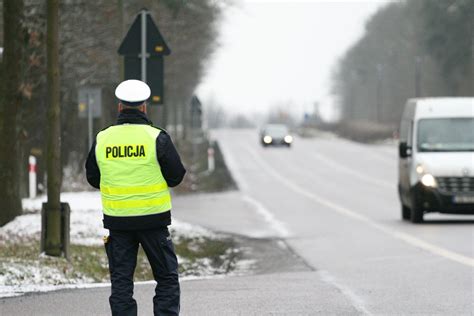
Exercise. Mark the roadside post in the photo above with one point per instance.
(211, 163)
(32, 176)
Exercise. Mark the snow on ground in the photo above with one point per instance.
(86, 221)
(17, 278)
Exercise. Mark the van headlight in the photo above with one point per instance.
(288, 139)
(267, 139)
(420, 169)
(428, 181)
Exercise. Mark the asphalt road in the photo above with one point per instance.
(333, 203)
(338, 202)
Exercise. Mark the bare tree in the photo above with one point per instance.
(10, 104)
(91, 32)
(409, 49)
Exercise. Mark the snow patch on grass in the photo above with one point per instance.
(21, 227)
(15, 274)
(86, 221)
(29, 272)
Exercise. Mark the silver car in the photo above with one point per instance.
(275, 135)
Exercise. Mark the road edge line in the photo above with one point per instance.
(356, 301)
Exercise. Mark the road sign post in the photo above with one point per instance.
(143, 44)
(143, 49)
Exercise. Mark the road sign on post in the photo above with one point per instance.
(143, 49)
(90, 107)
(196, 113)
(89, 96)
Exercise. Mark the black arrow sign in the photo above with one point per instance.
(131, 45)
(152, 63)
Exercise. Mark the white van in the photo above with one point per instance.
(436, 164)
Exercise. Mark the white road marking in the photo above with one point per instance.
(268, 217)
(278, 226)
(355, 300)
(453, 256)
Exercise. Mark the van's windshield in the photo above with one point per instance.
(446, 134)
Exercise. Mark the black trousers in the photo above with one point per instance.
(122, 249)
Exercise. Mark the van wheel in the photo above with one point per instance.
(416, 214)
(406, 212)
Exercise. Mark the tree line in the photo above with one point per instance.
(89, 35)
(409, 49)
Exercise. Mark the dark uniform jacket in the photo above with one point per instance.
(171, 167)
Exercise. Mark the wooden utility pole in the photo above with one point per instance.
(52, 245)
(11, 69)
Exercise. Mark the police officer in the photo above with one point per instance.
(134, 163)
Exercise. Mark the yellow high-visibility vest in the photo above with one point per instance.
(131, 182)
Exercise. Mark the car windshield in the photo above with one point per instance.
(447, 134)
(276, 130)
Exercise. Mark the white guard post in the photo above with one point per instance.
(32, 176)
(211, 165)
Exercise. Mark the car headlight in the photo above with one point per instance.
(420, 169)
(267, 139)
(428, 181)
(288, 139)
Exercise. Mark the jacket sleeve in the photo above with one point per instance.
(170, 163)
(92, 169)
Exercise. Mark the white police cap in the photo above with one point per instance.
(132, 91)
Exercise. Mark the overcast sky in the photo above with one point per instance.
(282, 52)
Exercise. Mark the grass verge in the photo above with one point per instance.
(21, 263)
